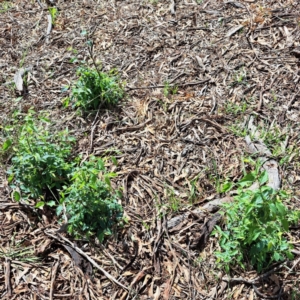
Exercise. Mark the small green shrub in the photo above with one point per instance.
(41, 166)
(39, 162)
(90, 204)
(95, 89)
(255, 225)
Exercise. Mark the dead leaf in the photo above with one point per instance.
(233, 30)
(238, 292)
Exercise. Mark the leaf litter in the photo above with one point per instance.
(229, 60)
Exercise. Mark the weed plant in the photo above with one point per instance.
(96, 89)
(40, 159)
(255, 226)
(92, 206)
(169, 89)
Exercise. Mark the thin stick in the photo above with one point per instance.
(40, 4)
(292, 100)
(171, 85)
(7, 277)
(54, 271)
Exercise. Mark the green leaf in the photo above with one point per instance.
(114, 160)
(280, 208)
(226, 187)
(263, 177)
(16, 196)
(6, 144)
(11, 177)
(289, 255)
(256, 236)
(51, 203)
(273, 208)
(247, 180)
(285, 224)
(276, 256)
(40, 204)
(59, 209)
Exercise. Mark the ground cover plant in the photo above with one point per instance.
(255, 228)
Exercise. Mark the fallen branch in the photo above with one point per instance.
(292, 100)
(257, 279)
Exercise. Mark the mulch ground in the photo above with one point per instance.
(227, 60)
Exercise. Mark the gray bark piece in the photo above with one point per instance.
(200, 211)
(18, 78)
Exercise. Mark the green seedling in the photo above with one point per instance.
(193, 189)
(238, 130)
(173, 203)
(239, 78)
(169, 89)
(235, 108)
(53, 13)
(96, 89)
(24, 54)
